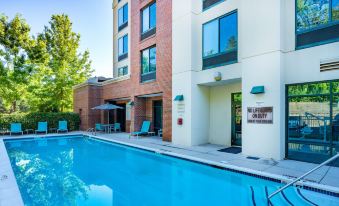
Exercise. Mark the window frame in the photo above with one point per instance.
(124, 53)
(124, 23)
(149, 17)
(220, 53)
(124, 68)
(318, 27)
(149, 58)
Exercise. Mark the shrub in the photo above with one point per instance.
(30, 120)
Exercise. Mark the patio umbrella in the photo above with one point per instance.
(107, 107)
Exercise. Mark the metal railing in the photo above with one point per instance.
(302, 176)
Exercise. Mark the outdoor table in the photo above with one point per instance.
(107, 127)
(53, 130)
(151, 133)
(29, 131)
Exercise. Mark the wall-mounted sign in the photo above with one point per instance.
(181, 107)
(260, 115)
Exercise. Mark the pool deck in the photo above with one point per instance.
(326, 178)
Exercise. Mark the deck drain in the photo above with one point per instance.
(3, 177)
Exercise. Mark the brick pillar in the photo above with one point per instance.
(139, 113)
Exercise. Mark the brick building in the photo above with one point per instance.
(142, 75)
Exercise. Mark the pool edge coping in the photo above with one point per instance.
(10, 181)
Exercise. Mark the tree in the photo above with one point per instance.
(14, 70)
(51, 85)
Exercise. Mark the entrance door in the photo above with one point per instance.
(121, 116)
(157, 115)
(236, 119)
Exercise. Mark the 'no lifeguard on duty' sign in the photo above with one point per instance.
(260, 115)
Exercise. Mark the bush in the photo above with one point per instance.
(30, 120)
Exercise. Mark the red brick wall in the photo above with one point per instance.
(132, 88)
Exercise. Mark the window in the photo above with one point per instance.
(220, 41)
(206, 4)
(122, 71)
(317, 22)
(122, 47)
(148, 17)
(313, 121)
(148, 64)
(123, 17)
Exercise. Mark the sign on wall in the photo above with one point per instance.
(260, 115)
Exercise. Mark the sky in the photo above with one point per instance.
(93, 19)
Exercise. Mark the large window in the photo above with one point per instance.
(123, 17)
(209, 3)
(317, 22)
(313, 121)
(148, 64)
(123, 47)
(220, 41)
(148, 18)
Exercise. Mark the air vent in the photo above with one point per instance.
(328, 65)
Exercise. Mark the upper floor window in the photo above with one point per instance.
(148, 64)
(209, 3)
(149, 20)
(122, 71)
(122, 47)
(220, 42)
(123, 17)
(317, 22)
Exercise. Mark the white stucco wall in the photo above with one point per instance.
(266, 56)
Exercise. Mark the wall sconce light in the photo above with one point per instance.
(217, 76)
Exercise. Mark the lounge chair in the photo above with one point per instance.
(98, 127)
(62, 126)
(42, 127)
(16, 129)
(144, 129)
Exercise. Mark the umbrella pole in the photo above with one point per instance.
(108, 116)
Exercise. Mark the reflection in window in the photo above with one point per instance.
(148, 60)
(335, 10)
(123, 15)
(123, 45)
(122, 71)
(220, 35)
(148, 16)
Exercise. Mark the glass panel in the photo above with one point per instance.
(335, 127)
(311, 13)
(228, 33)
(120, 46)
(210, 40)
(145, 19)
(126, 13)
(236, 119)
(120, 16)
(153, 16)
(335, 10)
(145, 61)
(125, 44)
(152, 59)
(309, 128)
(309, 89)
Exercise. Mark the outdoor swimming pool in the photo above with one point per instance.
(78, 170)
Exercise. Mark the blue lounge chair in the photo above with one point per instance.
(62, 126)
(16, 129)
(144, 129)
(42, 127)
(98, 127)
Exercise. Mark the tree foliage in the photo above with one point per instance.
(39, 71)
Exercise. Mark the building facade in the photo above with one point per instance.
(141, 82)
(261, 75)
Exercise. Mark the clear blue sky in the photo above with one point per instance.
(91, 18)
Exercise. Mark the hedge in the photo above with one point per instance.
(30, 120)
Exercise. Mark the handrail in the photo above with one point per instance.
(302, 176)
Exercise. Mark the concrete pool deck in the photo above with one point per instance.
(326, 178)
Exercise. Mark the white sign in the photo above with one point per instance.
(260, 115)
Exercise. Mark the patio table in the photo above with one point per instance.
(107, 127)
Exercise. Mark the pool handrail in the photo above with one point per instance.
(302, 176)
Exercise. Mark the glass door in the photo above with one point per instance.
(311, 114)
(157, 115)
(236, 119)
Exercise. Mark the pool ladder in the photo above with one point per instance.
(302, 176)
(91, 130)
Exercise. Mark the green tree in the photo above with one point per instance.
(51, 84)
(14, 68)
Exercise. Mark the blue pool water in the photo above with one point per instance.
(86, 171)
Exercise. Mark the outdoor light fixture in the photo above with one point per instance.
(130, 103)
(217, 76)
(258, 90)
(179, 98)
